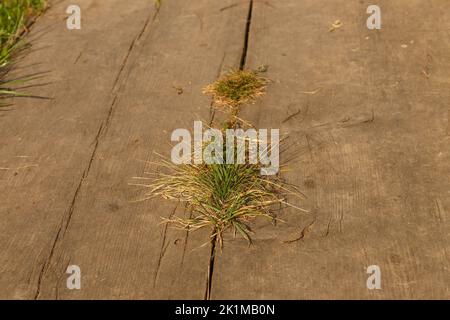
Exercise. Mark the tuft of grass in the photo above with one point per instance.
(223, 197)
(15, 16)
(220, 197)
(237, 87)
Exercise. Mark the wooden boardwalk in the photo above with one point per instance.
(368, 111)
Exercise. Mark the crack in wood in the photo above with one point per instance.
(212, 258)
(303, 233)
(242, 65)
(246, 38)
(164, 247)
(186, 238)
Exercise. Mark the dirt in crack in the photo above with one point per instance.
(212, 258)
(246, 36)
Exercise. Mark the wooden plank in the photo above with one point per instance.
(120, 246)
(372, 131)
(46, 145)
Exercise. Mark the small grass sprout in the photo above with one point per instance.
(237, 87)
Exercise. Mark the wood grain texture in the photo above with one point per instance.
(115, 104)
(46, 145)
(367, 114)
(370, 129)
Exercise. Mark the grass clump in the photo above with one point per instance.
(237, 87)
(220, 196)
(224, 197)
(15, 16)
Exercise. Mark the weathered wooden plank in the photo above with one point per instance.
(119, 245)
(372, 129)
(46, 145)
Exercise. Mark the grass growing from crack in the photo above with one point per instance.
(220, 197)
(237, 87)
(15, 16)
(224, 197)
